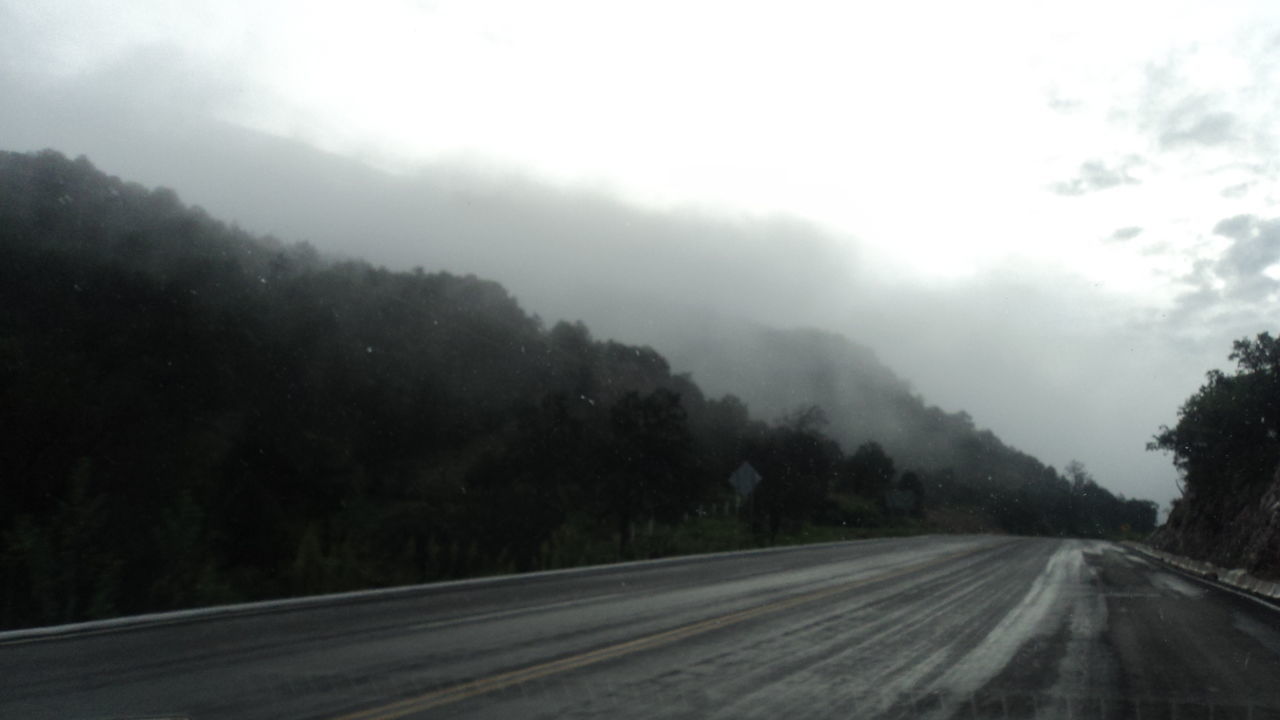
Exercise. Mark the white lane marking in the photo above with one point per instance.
(1085, 665)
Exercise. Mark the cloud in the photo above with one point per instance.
(1096, 175)
(1239, 227)
(1235, 285)
(1158, 249)
(1255, 247)
(1196, 126)
(1236, 191)
(1214, 97)
(1064, 105)
(1234, 288)
(1125, 233)
(1207, 96)
(1193, 303)
(552, 246)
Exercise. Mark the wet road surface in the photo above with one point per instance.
(934, 627)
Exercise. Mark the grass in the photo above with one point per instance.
(574, 547)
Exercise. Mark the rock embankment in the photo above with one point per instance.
(1237, 578)
(1237, 530)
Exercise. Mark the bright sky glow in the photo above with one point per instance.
(934, 132)
(927, 132)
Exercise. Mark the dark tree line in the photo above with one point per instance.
(192, 415)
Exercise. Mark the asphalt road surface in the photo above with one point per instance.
(937, 627)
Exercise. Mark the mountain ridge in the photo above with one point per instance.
(285, 422)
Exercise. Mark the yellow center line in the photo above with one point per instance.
(492, 683)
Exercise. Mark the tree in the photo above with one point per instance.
(869, 472)
(1228, 432)
(1079, 478)
(522, 494)
(798, 466)
(646, 471)
(810, 418)
(911, 483)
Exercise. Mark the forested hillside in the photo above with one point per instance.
(193, 415)
(963, 466)
(774, 370)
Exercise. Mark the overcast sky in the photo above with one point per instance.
(1054, 218)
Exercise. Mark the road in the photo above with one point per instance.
(937, 627)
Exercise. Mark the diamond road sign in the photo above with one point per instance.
(744, 479)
